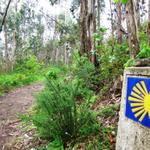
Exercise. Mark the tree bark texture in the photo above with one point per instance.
(5, 15)
(83, 27)
(137, 8)
(98, 13)
(112, 25)
(87, 28)
(132, 29)
(119, 32)
(91, 23)
(6, 42)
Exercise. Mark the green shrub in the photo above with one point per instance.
(62, 114)
(58, 115)
(29, 65)
(25, 73)
(144, 51)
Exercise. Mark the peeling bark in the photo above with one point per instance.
(87, 28)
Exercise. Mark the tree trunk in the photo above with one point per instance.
(6, 43)
(132, 29)
(119, 32)
(91, 23)
(88, 27)
(13, 57)
(83, 27)
(148, 28)
(99, 18)
(137, 7)
(112, 25)
(57, 56)
(5, 15)
(98, 13)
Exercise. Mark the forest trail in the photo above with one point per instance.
(17, 101)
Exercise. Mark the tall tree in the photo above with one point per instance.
(137, 8)
(119, 23)
(6, 42)
(91, 23)
(5, 15)
(87, 28)
(98, 12)
(132, 28)
(83, 27)
(112, 24)
(100, 9)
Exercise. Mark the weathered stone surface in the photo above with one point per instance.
(131, 135)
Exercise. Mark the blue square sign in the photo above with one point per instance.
(138, 100)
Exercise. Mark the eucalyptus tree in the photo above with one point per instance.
(132, 28)
(137, 11)
(100, 9)
(119, 22)
(87, 29)
(23, 31)
(5, 14)
(30, 29)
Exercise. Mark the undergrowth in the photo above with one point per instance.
(63, 113)
(25, 72)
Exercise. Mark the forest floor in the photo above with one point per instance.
(16, 101)
(20, 100)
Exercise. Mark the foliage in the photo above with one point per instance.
(108, 111)
(29, 64)
(101, 141)
(111, 64)
(24, 73)
(68, 31)
(122, 1)
(130, 63)
(144, 48)
(63, 111)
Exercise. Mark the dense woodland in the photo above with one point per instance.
(80, 61)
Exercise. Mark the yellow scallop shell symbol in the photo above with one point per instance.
(140, 101)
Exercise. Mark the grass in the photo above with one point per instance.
(108, 111)
(91, 135)
(13, 80)
(25, 73)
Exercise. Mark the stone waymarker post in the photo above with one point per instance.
(134, 116)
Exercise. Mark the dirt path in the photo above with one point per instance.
(12, 103)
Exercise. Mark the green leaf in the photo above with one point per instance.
(124, 1)
(103, 29)
(116, 1)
